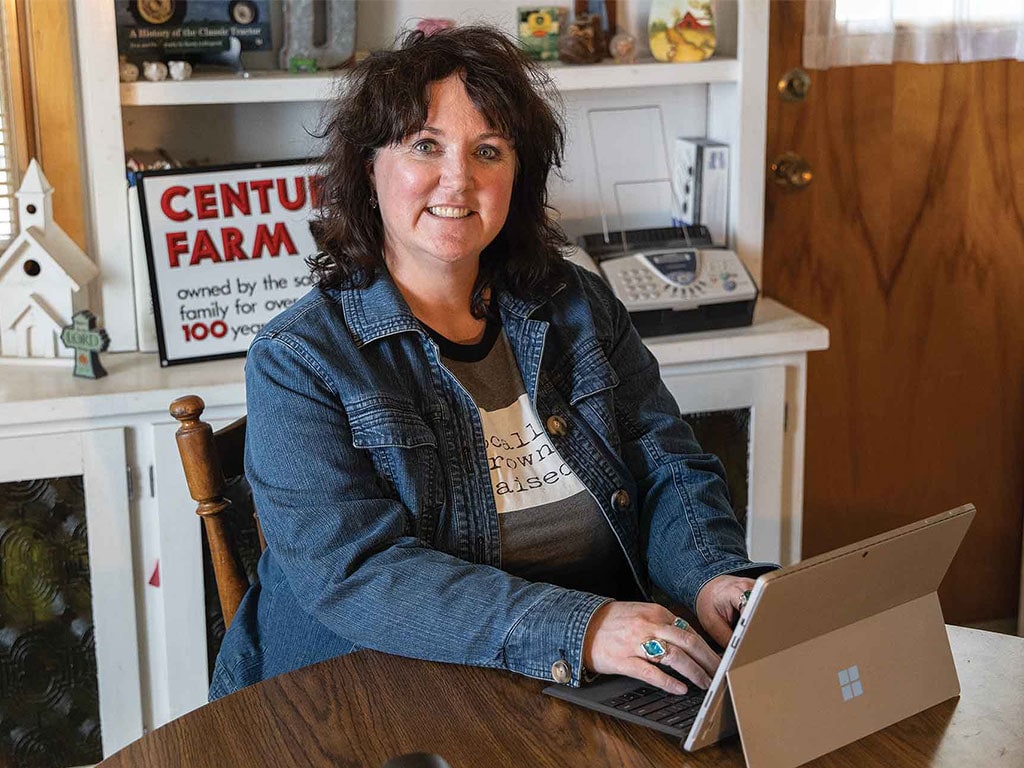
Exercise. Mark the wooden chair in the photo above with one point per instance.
(210, 460)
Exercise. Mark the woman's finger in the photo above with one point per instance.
(694, 646)
(649, 673)
(683, 663)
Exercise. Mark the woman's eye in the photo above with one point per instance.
(489, 153)
(423, 145)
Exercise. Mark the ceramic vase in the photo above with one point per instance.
(681, 30)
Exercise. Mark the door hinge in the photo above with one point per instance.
(131, 485)
(785, 417)
(152, 482)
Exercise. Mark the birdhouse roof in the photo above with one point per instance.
(34, 182)
(55, 246)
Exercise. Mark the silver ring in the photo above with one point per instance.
(654, 649)
(681, 623)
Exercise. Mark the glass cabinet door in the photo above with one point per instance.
(739, 416)
(69, 663)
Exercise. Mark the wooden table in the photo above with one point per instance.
(362, 709)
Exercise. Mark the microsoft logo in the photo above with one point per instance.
(849, 681)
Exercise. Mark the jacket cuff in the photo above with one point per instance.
(547, 641)
(690, 586)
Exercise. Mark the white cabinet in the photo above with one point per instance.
(52, 661)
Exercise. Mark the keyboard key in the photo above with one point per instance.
(679, 720)
(630, 706)
(651, 708)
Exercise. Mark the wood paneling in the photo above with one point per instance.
(909, 246)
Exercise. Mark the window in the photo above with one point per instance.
(841, 33)
(9, 156)
(926, 12)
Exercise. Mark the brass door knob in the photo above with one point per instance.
(791, 171)
(794, 85)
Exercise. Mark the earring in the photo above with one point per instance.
(373, 200)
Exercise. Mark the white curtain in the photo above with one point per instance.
(842, 33)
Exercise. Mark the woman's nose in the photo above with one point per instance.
(457, 173)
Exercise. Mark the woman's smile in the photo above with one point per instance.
(449, 212)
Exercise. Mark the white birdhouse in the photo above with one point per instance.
(40, 271)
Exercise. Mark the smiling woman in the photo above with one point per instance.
(458, 444)
(508, 99)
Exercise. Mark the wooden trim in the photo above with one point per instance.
(21, 117)
(54, 103)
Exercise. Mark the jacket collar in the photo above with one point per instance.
(379, 310)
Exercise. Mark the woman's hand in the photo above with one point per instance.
(614, 645)
(719, 603)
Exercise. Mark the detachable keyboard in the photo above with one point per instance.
(637, 702)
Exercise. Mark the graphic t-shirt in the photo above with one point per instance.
(552, 529)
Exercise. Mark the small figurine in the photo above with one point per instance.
(430, 26)
(154, 71)
(179, 70)
(301, 64)
(583, 41)
(88, 341)
(538, 31)
(623, 48)
(40, 271)
(126, 71)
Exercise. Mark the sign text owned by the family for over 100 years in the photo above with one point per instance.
(227, 251)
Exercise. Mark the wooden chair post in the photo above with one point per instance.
(206, 485)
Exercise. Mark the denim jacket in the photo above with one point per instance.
(368, 467)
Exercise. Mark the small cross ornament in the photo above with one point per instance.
(88, 341)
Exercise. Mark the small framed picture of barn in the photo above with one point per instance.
(226, 250)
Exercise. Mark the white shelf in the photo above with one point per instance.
(36, 393)
(261, 87)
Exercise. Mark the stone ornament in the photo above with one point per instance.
(179, 70)
(154, 71)
(126, 71)
(623, 48)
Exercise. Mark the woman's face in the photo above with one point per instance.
(444, 191)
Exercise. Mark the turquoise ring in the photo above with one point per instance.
(654, 649)
(681, 623)
(744, 599)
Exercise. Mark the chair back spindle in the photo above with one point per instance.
(205, 455)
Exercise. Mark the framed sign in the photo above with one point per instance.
(226, 249)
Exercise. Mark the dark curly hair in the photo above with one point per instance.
(385, 98)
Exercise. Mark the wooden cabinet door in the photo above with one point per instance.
(909, 246)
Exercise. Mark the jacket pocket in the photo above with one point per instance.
(404, 451)
(589, 385)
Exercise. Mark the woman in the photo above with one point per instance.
(459, 446)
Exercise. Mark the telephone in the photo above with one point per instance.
(670, 279)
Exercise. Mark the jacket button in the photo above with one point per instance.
(556, 426)
(620, 500)
(560, 671)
